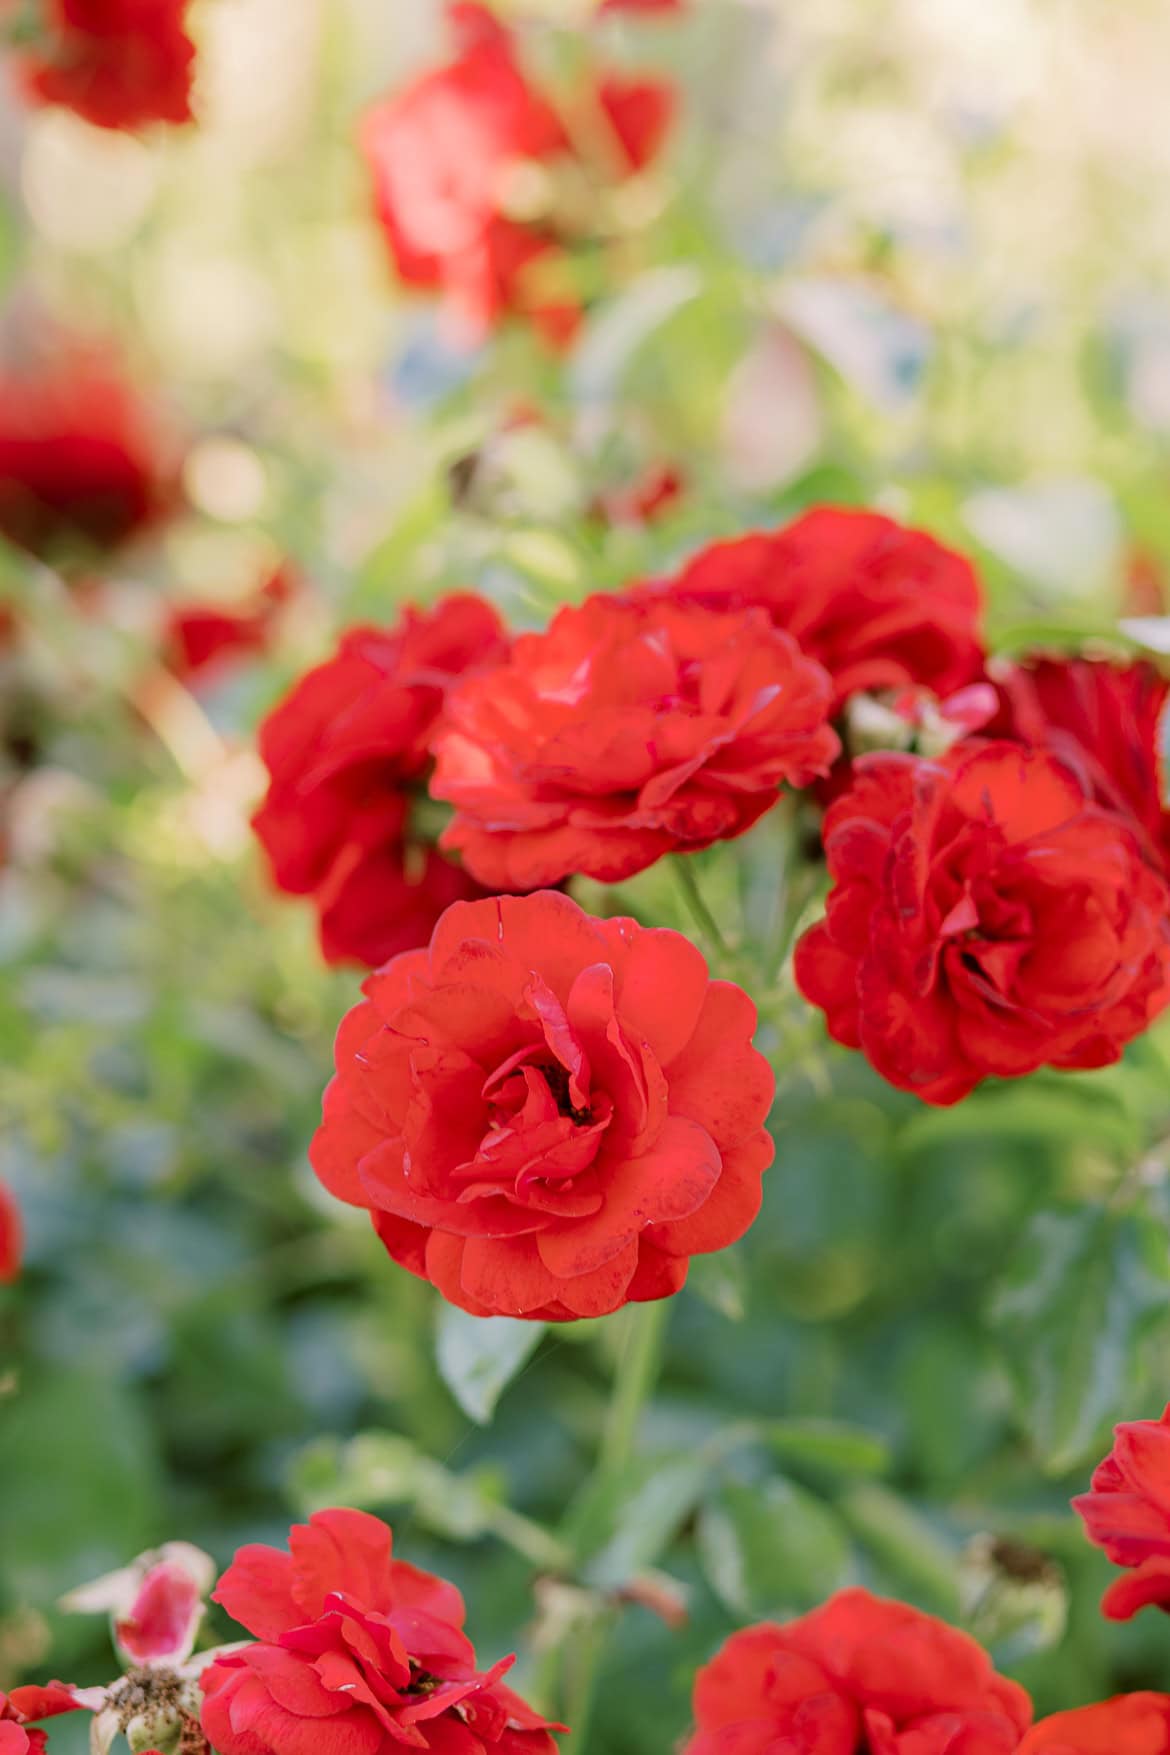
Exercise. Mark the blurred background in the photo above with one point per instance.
(908, 253)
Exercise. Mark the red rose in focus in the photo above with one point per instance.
(548, 1114)
(11, 1236)
(624, 732)
(452, 159)
(1105, 720)
(356, 1652)
(82, 472)
(1127, 1513)
(1130, 1724)
(987, 918)
(343, 751)
(118, 63)
(859, 1676)
(878, 605)
(201, 640)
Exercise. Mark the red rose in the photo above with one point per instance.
(11, 1236)
(82, 472)
(878, 605)
(375, 904)
(356, 1654)
(548, 1114)
(14, 1738)
(451, 158)
(1130, 1724)
(859, 1674)
(987, 918)
(344, 748)
(625, 732)
(118, 63)
(1127, 1513)
(1105, 720)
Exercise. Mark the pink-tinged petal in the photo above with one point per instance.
(668, 1182)
(257, 1591)
(164, 1617)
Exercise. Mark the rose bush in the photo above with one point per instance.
(623, 733)
(987, 918)
(548, 1114)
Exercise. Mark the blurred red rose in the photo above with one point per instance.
(858, 1674)
(987, 918)
(82, 469)
(356, 1653)
(625, 732)
(642, 501)
(201, 640)
(880, 606)
(1129, 1724)
(377, 903)
(1127, 1513)
(642, 6)
(452, 158)
(118, 63)
(343, 751)
(548, 1114)
(1107, 721)
(11, 1236)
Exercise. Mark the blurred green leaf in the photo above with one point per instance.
(771, 1548)
(1083, 1288)
(829, 1445)
(620, 1526)
(479, 1356)
(914, 1558)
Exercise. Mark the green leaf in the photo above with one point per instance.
(910, 1552)
(1081, 1292)
(771, 1548)
(478, 1356)
(830, 1445)
(618, 1527)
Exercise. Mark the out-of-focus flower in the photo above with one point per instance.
(471, 163)
(879, 605)
(345, 750)
(625, 732)
(1129, 1724)
(11, 1233)
(548, 1114)
(1127, 1513)
(642, 501)
(860, 1673)
(1106, 721)
(118, 63)
(987, 918)
(657, 8)
(83, 468)
(356, 1653)
(155, 1604)
(202, 640)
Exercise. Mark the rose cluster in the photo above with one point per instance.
(366, 1653)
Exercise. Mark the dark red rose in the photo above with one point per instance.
(344, 750)
(548, 1114)
(1129, 1724)
(878, 605)
(118, 63)
(375, 904)
(625, 732)
(987, 918)
(11, 1236)
(1127, 1513)
(451, 158)
(202, 640)
(1106, 720)
(356, 1653)
(859, 1676)
(82, 469)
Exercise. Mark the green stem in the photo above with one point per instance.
(693, 896)
(634, 1380)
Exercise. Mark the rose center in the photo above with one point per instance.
(556, 1077)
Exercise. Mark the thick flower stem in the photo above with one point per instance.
(634, 1379)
